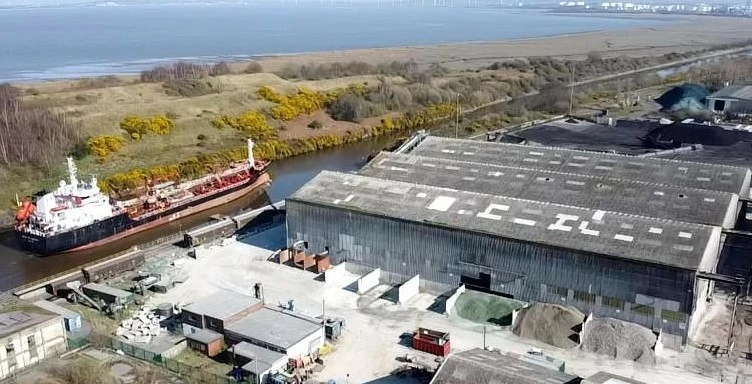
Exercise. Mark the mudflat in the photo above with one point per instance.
(678, 34)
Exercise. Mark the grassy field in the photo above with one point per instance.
(100, 109)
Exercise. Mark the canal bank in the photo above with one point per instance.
(287, 176)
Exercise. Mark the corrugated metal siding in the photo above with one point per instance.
(518, 269)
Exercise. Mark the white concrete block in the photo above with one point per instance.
(452, 300)
(409, 289)
(369, 281)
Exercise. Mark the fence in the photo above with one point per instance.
(192, 373)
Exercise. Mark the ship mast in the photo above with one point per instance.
(251, 161)
(72, 173)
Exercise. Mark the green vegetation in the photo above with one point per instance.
(103, 146)
(191, 87)
(137, 126)
(252, 123)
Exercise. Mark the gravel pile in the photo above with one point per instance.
(552, 324)
(620, 340)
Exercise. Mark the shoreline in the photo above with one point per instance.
(671, 35)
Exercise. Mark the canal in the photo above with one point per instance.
(287, 176)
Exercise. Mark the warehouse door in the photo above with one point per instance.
(482, 283)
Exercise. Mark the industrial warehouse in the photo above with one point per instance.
(631, 238)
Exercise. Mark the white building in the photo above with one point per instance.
(27, 338)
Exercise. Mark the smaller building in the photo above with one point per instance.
(289, 333)
(206, 341)
(479, 366)
(732, 99)
(257, 361)
(608, 378)
(71, 319)
(218, 310)
(108, 295)
(28, 337)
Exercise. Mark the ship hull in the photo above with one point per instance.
(121, 226)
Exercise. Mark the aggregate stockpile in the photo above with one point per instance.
(552, 324)
(620, 340)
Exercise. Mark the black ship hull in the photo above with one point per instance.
(122, 225)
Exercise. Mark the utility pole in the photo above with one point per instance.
(484, 337)
(457, 119)
(571, 90)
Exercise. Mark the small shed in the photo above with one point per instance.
(258, 361)
(206, 341)
(110, 295)
(71, 319)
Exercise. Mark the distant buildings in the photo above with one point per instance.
(27, 337)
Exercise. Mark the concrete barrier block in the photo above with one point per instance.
(369, 280)
(335, 274)
(452, 300)
(409, 289)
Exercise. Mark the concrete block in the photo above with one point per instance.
(334, 274)
(588, 319)
(369, 281)
(120, 331)
(452, 300)
(409, 289)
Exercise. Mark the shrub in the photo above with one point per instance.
(201, 137)
(191, 87)
(103, 146)
(137, 126)
(253, 123)
(219, 69)
(254, 67)
(174, 72)
(315, 125)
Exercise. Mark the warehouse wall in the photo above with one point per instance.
(642, 293)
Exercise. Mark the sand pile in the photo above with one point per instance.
(552, 324)
(620, 340)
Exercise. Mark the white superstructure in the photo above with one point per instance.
(72, 205)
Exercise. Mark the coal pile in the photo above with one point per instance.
(620, 340)
(700, 134)
(687, 96)
(552, 324)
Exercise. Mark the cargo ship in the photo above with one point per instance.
(78, 215)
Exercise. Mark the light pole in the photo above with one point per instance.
(457, 119)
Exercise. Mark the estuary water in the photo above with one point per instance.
(68, 42)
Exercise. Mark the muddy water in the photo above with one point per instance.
(18, 267)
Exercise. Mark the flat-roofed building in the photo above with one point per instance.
(478, 366)
(217, 310)
(27, 337)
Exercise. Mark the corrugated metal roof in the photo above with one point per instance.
(478, 366)
(739, 92)
(609, 194)
(222, 305)
(55, 308)
(619, 235)
(713, 177)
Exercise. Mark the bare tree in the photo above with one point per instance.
(35, 135)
